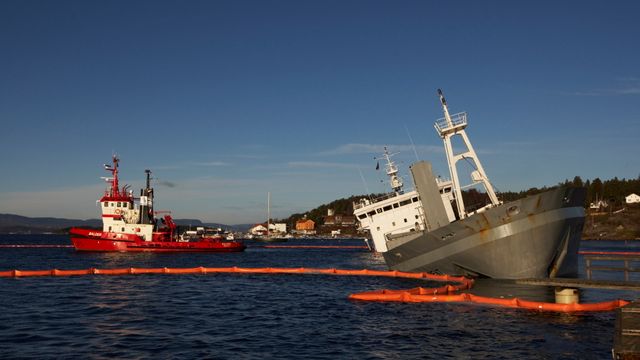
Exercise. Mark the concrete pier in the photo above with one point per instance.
(582, 283)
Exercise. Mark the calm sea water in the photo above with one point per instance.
(229, 316)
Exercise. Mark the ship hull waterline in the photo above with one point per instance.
(94, 244)
(535, 237)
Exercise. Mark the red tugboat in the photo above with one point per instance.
(130, 226)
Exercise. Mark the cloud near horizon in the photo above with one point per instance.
(320, 164)
(379, 149)
(626, 86)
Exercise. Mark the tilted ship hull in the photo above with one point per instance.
(534, 237)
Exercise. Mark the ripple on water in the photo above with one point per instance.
(246, 316)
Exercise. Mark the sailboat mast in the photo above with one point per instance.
(268, 211)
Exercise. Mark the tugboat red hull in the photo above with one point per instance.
(99, 241)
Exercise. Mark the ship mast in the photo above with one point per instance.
(392, 171)
(448, 127)
(114, 191)
(268, 212)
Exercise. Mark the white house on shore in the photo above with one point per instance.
(261, 229)
(632, 199)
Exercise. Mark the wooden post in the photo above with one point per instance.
(626, 270)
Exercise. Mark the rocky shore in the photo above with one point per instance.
(612, 224)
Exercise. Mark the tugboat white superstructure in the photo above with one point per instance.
(534, 237)
(131, 226)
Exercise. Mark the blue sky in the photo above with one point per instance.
(228, 100)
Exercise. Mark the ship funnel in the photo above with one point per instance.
(148, 174)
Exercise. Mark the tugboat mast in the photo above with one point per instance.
(448, 127)
(115, 190)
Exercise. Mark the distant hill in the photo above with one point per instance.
(10, 223)
(342, 206)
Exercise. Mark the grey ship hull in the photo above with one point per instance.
(534, 237)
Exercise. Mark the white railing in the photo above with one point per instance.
(457, 121)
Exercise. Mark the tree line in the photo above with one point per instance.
(612, 191)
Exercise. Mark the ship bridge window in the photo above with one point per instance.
(362, 216)
(415, 199)
(105, 204)
(119, 204)
(396, 205)
(371, 213)
(378, 211)
(405, 202)
(387, 208)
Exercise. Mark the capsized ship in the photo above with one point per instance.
(130, 225)
(430, 229)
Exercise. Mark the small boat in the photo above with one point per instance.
(431, 229)
(130, 225)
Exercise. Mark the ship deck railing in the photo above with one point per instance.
(458, 121)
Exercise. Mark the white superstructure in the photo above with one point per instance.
(398, 211)
(120, 212)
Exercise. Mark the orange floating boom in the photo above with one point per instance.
(441, 294)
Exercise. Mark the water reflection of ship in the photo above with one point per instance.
(430, 229)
